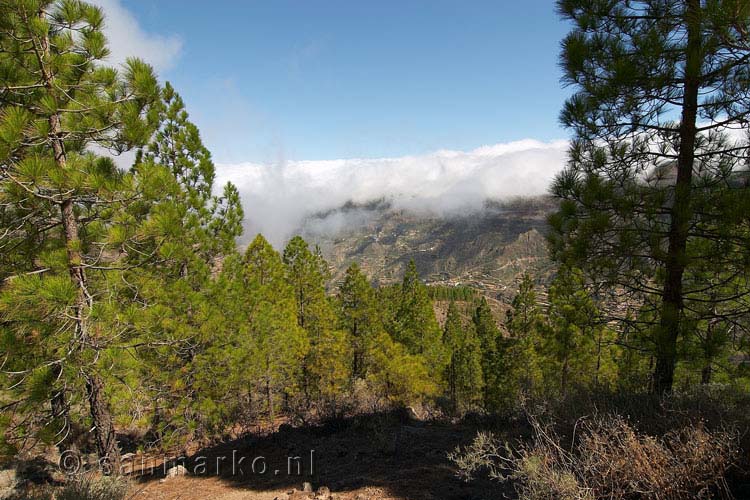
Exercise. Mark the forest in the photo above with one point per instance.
(127, 306)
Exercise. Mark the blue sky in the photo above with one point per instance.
(270, 81)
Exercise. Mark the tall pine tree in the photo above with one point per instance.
(464, 371)
(58, 100)
(491, 343)
(358, 315)
(274, 344)
(520, 352)
(181, 230)
(326, 371)
(572, 336)
(415, 324)
(653, 187)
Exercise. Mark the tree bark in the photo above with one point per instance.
(104, 432)
(681, 213)
(104, 429)
(708, 369)
(564, 375)
(269, 400)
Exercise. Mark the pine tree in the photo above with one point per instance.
(712, 329)
(274, 343)
(58, 100)
(573, 333)
(180, 233)
(326, 371)
(654, 183)
(415, 324)
(203, 226)
(396, 375)
(490, 341)
(307, 273)
(464, 370)
(358, 315)
(520, 353)
(388, 299)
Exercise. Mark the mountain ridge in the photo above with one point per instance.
(488, 249)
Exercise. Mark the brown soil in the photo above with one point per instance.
(365, 458)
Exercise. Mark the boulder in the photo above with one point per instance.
(177, 470)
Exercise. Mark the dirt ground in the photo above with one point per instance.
(362, 458)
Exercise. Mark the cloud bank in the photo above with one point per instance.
(277, 198)
(127, 38)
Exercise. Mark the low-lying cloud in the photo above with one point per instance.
(277, 198)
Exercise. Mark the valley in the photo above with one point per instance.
(488, 250)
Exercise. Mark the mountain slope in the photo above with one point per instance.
(488, 249)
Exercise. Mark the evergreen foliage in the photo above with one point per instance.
(125, 301)
(272, 343)
(521, 374)
(358, 316)
(415, 324)
(326, 370)
(59, 211)
(464, 370)
(654, 199)
(181, 233)
(491, 345)
(573, 332)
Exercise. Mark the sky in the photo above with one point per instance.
(290, 95)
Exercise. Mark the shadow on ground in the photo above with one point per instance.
(387, 451)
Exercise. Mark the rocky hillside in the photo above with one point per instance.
(486, 249)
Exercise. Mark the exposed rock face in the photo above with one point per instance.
(487, 250)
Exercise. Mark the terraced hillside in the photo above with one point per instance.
(487, 249)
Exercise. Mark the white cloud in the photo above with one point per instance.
(278, 197)
(128, 39)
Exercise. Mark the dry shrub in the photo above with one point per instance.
(608, 459)
(365, 400)
(89, 486)
(94, 487)
(618, 462)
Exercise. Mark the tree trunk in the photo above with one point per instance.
(564, 374)
(707, 354)
(269, 399)
(100, 414)
(104, 429)
(452, 384)
(598, 356)
(681, 213)
(356, 359)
